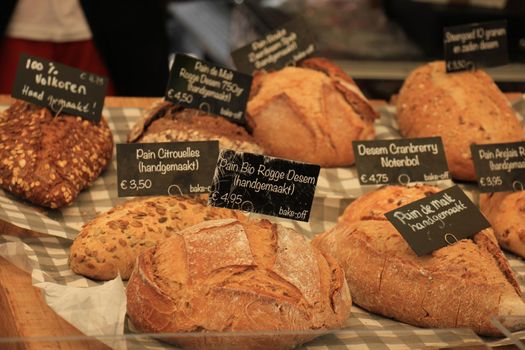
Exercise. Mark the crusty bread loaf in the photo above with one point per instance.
(110, 243)
(48, 160)
(166, 122)
(310, 113)
(506, 213)
(232, 276)
(461, 285)
(463, 108)
(373, 205)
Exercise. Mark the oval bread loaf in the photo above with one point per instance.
(167, 122)
(109, 244)
(461, 285)
(233, 276)
(506, 213)
(310, 113)
(463, 108)
(48, 160)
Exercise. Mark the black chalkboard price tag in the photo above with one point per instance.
(280, 48)
(500, 167)
(400, 161)
(437, 220)
(469, 46)
(264, 185)
(170, 168)
(61, 88)
(217, 90)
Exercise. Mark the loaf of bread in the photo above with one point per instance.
(310, 113)
(463, 108)
(233, 276)
(110, 243)
(48, 160)
(506, 213)
(461, 285)
(166, 122)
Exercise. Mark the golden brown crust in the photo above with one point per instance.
(310, 113)
(463, 108)
(109, 244)
(166, 122)
(373, 205)
(457, 286)
(48, 160)
(462, 285)
(506, 213)
(227, 275)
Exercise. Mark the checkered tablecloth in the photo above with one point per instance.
(336, 189)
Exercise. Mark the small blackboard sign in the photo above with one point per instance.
(437, 220)
(280, 48)
(400, 161)
(500, 167)
(171, 168)
(469, 46)
(61, 88)
(264, 185)
(217, 90)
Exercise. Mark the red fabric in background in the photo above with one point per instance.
(80, 54)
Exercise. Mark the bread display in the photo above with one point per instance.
(233, 276)
(463, 108)
(310, 113)
(166, 122)
(506, 213)
(48, 160)
(109, 244)
(461, 285)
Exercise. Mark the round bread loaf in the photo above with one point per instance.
(461, 285)
(233, 276)
(48, 160)
(166, 122)
(310, 113)
(506, 213)
(109, 244)
(463, 108)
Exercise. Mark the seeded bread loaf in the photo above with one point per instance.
(166, 122)
(310, 113)
(463, 108)
(232, 276)
(506, 213)
(48, 160)
(110, 243)
(461, 285)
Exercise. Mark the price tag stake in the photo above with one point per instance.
(402, 161)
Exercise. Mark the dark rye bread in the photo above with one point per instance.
(237, 276)
(459, 286)
(48, 160)
(109, 244)
(166, 122)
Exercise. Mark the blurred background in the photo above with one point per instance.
(378, 42)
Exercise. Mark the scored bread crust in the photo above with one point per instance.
(310, 113)
(109, 244)
(506, 213)
(166, 122)
(462, 285)
(463, 108)
(48, 160)
(233, 276)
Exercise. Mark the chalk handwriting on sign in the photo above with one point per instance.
(61, 88)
